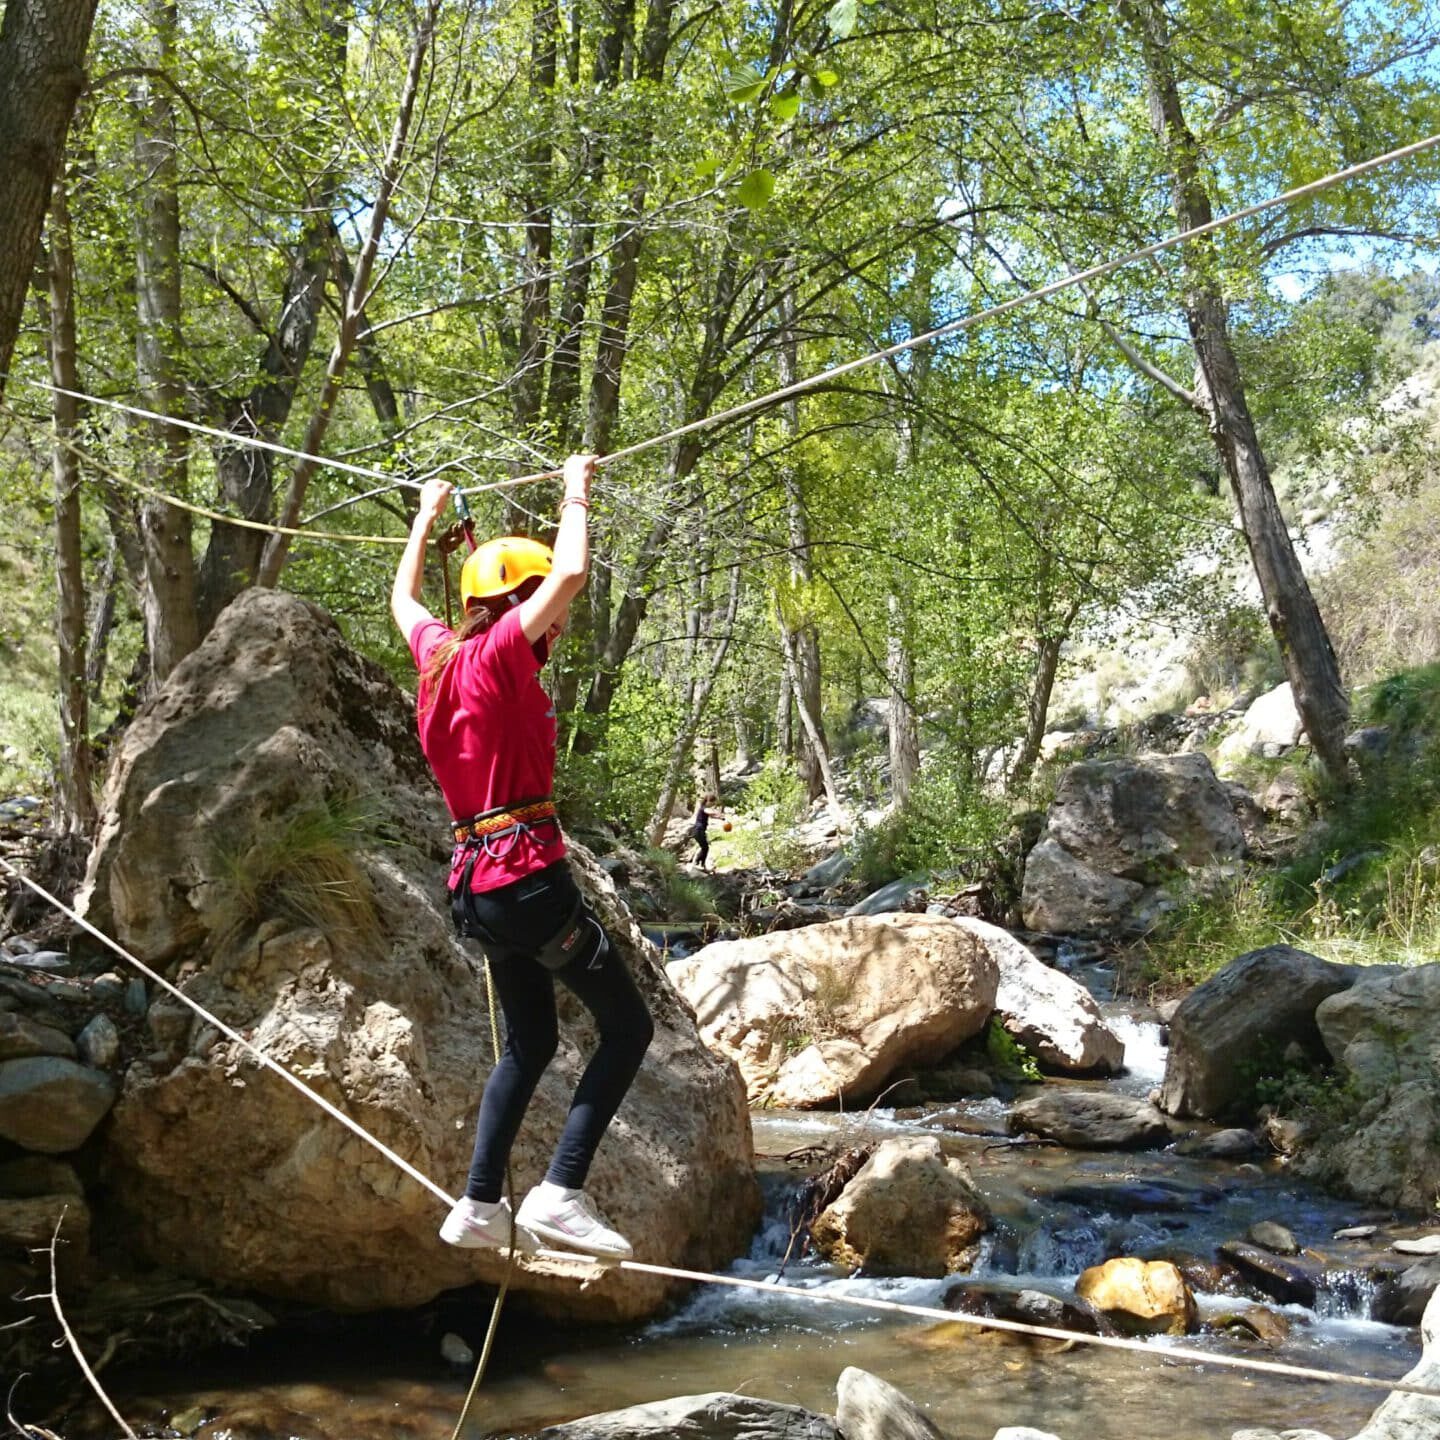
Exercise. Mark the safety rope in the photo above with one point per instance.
(966, 322)
(799, 387)
(511, 1252)
(769, 1287)
(111, 473)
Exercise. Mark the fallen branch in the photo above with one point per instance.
(74, 1345)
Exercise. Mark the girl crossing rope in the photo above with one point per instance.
(488, 730)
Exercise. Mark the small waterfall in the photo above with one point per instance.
(1347, 1295)
(1145, 1052)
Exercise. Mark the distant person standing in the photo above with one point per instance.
(700, 829)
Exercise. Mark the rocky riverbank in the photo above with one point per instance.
(271, 843)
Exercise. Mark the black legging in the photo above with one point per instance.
(514, 922)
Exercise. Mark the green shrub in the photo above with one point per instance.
(683, 896)
(1011, 1060)
(778, 783)
(946, 825)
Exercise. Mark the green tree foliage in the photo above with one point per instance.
(609, 219)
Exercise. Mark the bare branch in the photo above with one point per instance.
(74, 1344)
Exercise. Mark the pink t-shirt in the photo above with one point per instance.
(488, 731)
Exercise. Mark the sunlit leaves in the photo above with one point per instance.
(756, 189)
(841, 17)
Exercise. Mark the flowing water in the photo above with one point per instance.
(1056, 1212)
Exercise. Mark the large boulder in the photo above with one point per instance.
(1065, 895)
(1226, 1029)
(1384, 1035)
(831, 1011)
(272, 838)
(1054, 1018)
(909, 1210)
(1126, 839)
(1385, 1153)
(1401, 1300)
(1385, 1029)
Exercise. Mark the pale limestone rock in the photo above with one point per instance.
(1269, 728)
(1144, 1296)
(1054, 1018)
(722, 1415)
(909, 1210)
(1413, 1417)
(833, 1010)
(869, 1408)
(382, 1009)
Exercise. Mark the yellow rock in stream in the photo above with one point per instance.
(1143, 1296)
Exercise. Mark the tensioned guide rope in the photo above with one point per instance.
(769, 1287)
(799, 387)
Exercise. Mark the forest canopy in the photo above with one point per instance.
(466, 239)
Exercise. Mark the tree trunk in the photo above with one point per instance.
(827, 777)
(168, 599)
(804, 638)
(101, 622)
(277, 548)
(698, 691)
(1295, 620)
(42, 72)
(74, 799)
(1037, 710)
(741, 726)
(903, 727)
(246, 476)
(785, 716)
(564, 383)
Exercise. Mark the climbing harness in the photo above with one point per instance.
(1166, 1355)
(504, 820)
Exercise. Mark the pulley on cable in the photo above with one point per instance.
(463, 532)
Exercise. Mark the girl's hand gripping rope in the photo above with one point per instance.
(434, 496)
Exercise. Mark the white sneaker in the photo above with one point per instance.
(476, 1225)
(568, 1218)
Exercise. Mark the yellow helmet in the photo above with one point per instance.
(499, 566)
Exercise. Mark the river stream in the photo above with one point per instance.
(1056, 1211)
